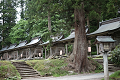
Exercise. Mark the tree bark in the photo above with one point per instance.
(49, 21)
(80, 42)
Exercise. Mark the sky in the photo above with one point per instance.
(18, 14)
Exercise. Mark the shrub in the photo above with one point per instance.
(115, 58)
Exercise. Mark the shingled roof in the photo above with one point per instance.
(72, 35)
(12, 46)
(3, 49)
(106, 26)
(21, 44)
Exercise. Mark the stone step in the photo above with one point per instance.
(27, 67)
(26, 76)
(32, 71)
(29, 73)
(20, 64)
(25, 70)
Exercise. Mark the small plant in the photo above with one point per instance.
(116, 55)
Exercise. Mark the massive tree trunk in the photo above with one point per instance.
(80, 42)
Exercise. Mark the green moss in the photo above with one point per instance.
(50, 67)
(8, 70)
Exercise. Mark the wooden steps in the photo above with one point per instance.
(25, 70)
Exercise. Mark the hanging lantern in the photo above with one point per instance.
(60, 52)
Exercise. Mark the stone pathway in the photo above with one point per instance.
(91, 76)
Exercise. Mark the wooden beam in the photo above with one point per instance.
(97, 49)
(45, 52)
(50, 51)
(67, 49)
(17, 54)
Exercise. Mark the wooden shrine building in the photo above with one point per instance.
(107, 28)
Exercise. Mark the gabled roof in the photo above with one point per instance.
(21, 44)
(34, 41)
(4, 48)
(12, 46)
(72, 35)
(104, 39)
(54, 39)
(106, 26)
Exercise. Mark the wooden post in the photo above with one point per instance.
(67, 49)
(97, 49)
(42, 53)
(7, 56)
(35, 53)
(106, 73)
(50, 51)
(26, 53)
(45, 52)
(14, 54)
(17, 54)
(29, 53)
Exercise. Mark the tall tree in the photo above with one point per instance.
(22, 6)
(8, 17)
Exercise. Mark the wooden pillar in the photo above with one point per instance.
(14, 54)
(34, 52)
(67, 49)
(45, 52)
(17, 54)
(42, 53)
(7, 56)
(97, 49)
(29, 53)
(26, 53)
(50, 51)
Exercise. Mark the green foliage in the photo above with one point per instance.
(70, 48)
(19, 32)
(7, 70)
(116, 55)
(51, 67)
(9, 15)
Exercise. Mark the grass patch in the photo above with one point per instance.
(7, 70)
(115, 76)
(53, 67)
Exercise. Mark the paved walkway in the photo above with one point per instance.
(91, 76)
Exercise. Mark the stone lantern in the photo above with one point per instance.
(105, 41)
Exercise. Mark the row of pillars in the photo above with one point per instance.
(28, 54)
(51, 51)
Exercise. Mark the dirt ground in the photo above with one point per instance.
(90, 76)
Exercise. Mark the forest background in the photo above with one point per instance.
(50, 17)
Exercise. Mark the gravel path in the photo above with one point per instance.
(91, 76)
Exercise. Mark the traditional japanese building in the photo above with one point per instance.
(107, 28)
